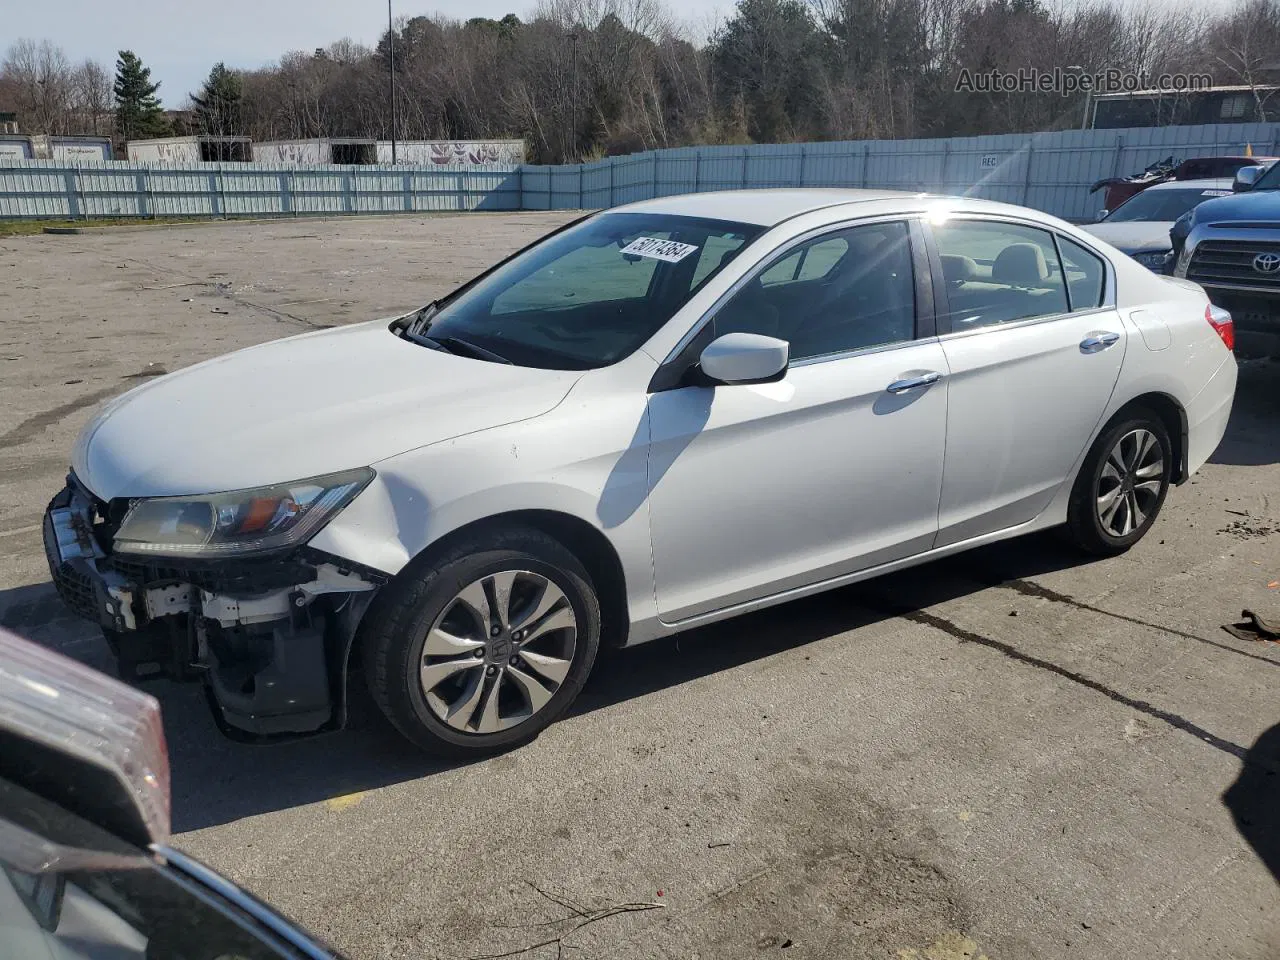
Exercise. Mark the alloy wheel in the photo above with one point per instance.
(498, 652)
(1130, 484)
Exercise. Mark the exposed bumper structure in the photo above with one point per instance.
(269, 637)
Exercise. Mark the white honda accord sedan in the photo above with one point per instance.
(659, 416)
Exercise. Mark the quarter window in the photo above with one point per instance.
(843, 291)
(1086, 276)
(999, 272)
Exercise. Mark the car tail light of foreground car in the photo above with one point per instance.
(84, 822)
(1221, 322)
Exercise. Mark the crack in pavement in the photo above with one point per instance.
(35, 425)
(1029, 589)
(222, 287)
(1013, 653)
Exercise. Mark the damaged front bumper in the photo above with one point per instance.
(269, 637)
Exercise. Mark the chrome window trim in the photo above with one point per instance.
(863, 351)
(771, 259)
(1026, 322)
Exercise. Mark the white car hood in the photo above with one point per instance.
(300, 407)
(1137, 236)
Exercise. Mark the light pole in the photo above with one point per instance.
(573, 132)
(391, 48)
(1088, 96)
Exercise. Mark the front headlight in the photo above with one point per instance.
(1153, 260)
(238, 522)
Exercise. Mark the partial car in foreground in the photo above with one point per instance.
(656, 417)
(85, 869)
(1140, 226)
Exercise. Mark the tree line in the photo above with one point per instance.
(586, 78)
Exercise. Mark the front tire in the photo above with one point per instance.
(484, 647)
(1121, 485)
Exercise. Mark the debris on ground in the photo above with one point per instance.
(1254, 628)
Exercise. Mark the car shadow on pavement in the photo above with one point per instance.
(1254, 799)
(626, 674)
(215, 780)
(1253, 433)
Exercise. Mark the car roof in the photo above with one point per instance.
(1213, 183)
(772, 206)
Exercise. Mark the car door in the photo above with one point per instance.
(1034, 347)
(759, 489)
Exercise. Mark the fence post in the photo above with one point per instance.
(215, 202)
(946, 155)
(1026, 180)
(697, 169)
(73, 198)
(744, 168)
(866, 158)
(144, 194)
(349, 191)
(582, 203)
(1119, 153)
(406, 188)
(611, 201)
(653, 179)
(800, 178)
(286, 198)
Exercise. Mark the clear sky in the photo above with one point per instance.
(181, 39)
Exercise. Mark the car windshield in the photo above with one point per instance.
(590, 295)
(1161, 205)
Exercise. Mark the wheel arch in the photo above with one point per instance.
(586, 542)
(1174, 417)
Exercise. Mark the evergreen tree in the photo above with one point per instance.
(138, 111)
(218, 102)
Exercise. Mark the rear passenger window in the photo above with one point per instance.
(998, 272)
(1086, 275)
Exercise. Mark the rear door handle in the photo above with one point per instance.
(914, 383)
(1098, 340)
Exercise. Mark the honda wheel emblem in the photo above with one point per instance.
(1266, 262)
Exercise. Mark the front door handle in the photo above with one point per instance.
(1098, 340)
(914, 383)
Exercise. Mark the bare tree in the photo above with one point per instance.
(40, 76)
(91, 98)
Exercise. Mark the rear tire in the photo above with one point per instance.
(482, 648)
(1121, 485)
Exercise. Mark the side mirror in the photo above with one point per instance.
(1246, 177)
(1103, 214)
(740, 358)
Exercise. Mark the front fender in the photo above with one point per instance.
(586, 460)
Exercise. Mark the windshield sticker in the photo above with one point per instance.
(671, 251)
(1216, 193)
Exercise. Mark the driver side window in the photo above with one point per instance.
(842, 291)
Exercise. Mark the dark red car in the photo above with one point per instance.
(1120, 189)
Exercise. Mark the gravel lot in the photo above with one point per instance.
(1013, 754)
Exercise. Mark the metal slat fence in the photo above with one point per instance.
(52, 190)
(1047, 171)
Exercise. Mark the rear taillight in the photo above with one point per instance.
(1222, 324)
